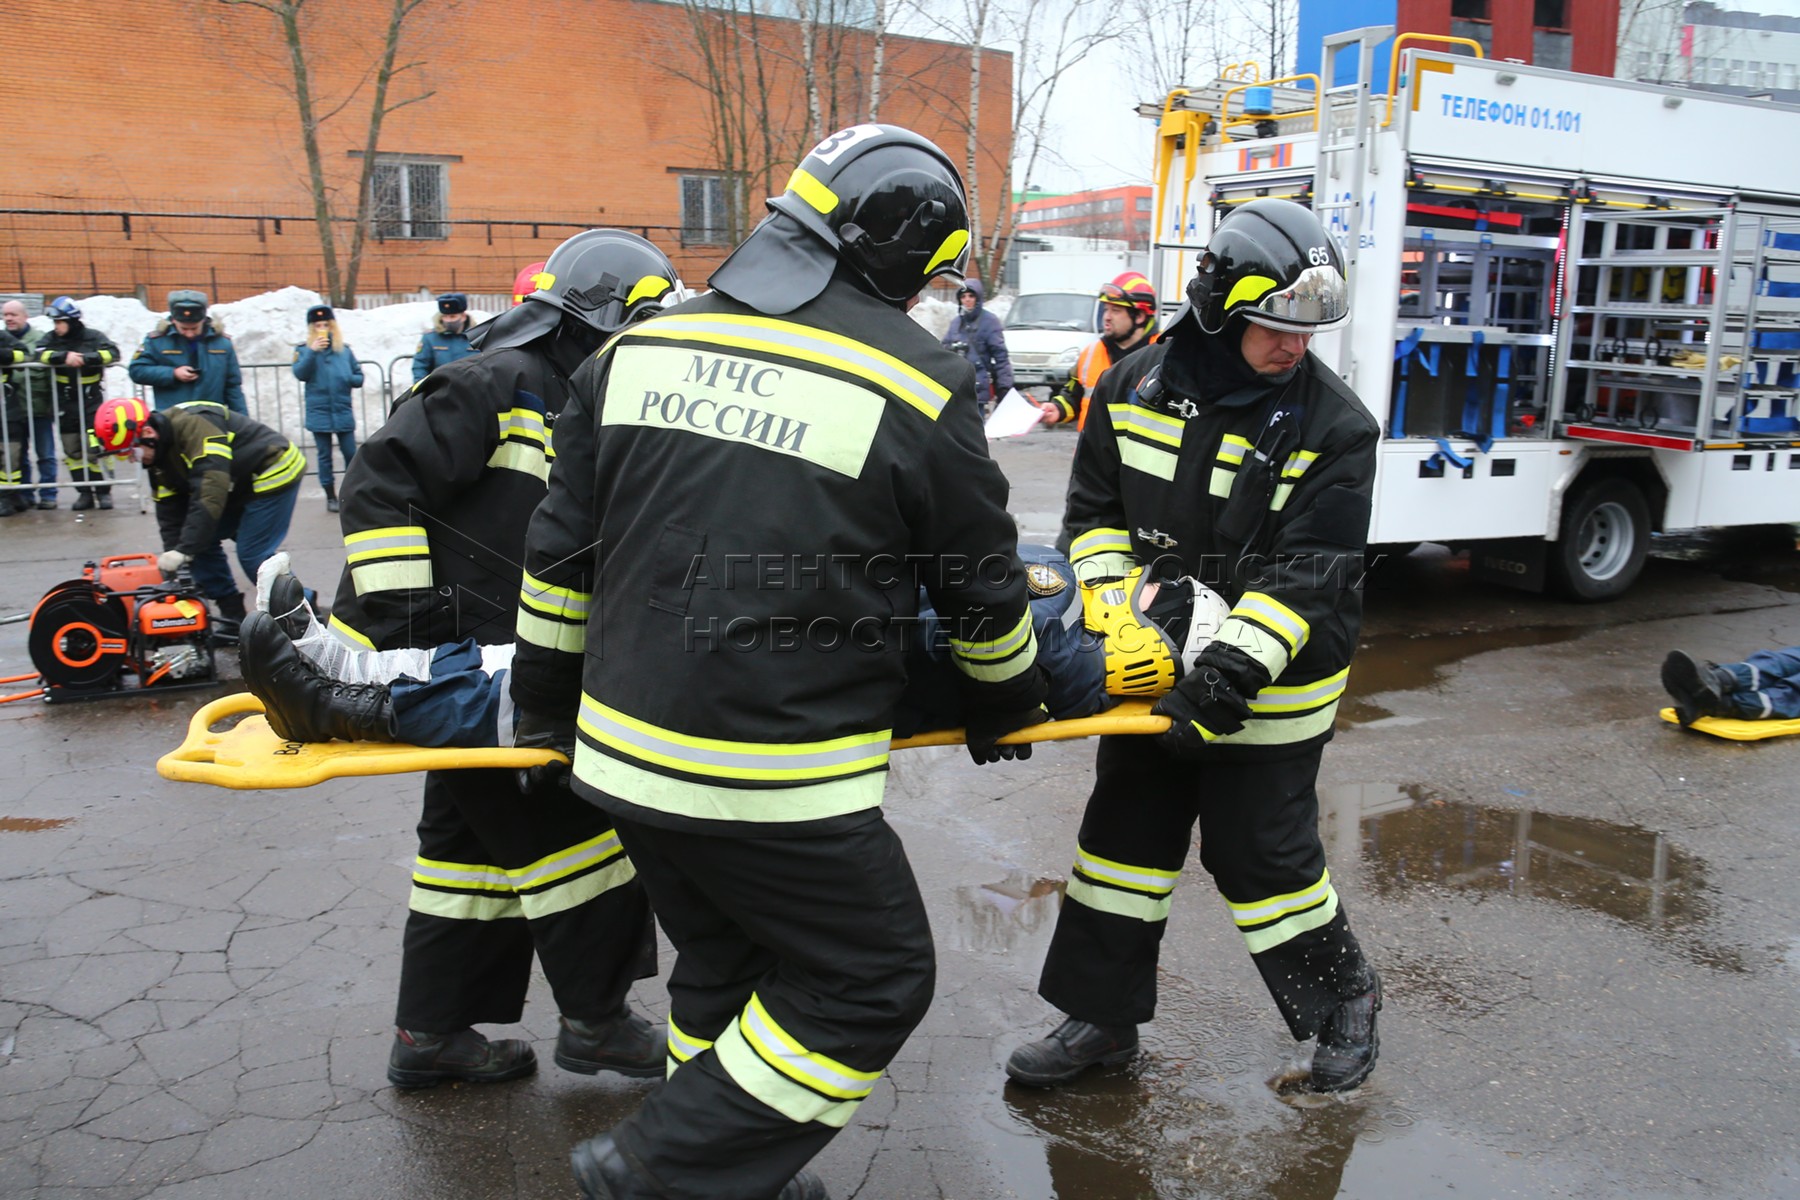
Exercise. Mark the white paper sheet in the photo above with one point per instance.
(1013, 416)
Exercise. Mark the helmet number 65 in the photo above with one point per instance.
(1318, 256)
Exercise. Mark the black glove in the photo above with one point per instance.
(985, 727)
(1209, 701)
(539, 731)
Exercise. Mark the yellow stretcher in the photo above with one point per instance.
(1734, 729)
(250, 755)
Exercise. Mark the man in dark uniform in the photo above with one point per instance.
(749, 492)
(1225, 450)
(435, 508)
(80, 355)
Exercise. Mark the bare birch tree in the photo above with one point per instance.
(288, 16)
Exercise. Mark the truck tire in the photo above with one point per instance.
(1605, 537)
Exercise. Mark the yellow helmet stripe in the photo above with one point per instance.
(953, 246)
(649, 285)
(1250, 287)
(807, 186)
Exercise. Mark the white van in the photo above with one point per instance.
(1046, 332)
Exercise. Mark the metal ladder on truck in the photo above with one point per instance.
(1337, 193)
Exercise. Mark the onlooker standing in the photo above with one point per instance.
(31, 387)
(975, 333)
(188, 357)
(81, 356)
(329, 369)
(13, 432)
(448, 338)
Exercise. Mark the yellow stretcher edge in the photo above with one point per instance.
(1734, 729)
(250, 755)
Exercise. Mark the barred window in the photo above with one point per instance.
(409, 199)
(705, 217)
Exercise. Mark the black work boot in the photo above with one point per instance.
(302, 704)
(627, 1044)
(1348, 1045)
(287, 604)
(422, 1060)
(602, 1173)
(1070, 1049)
(1699, 689)
(104, 499)
(84, 500)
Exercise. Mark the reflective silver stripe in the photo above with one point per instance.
(809, 345)
(562, 602)
(1295, 697)
(577, 891)
(1146, 424)
(473, 876)
(1233, 448)
(1143, 879)
(575, 858)
(1005, 669)
(1013, 640)
(732, 759)
(782, 1051)
(713, 802)
(797, 1103)
(522, 422)
(1256, 912)
(683, 1045)
(1100, 541)
(1271, 936)
(382, 543)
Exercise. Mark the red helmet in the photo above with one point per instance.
(526, 282)
(1130, 290)
(118, 422)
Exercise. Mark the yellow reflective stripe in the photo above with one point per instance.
(551, 635)
(577, 891)
(807, 186)
(391, 576)
(563, 602)
(464, 906)
(522, 457)
(566, 862)
(1256, 912)
(1250, 287)
(1283, 731)
(161, 493)
(682, 1044)
(802, 342)
(1232, 449)
(1297, 697)
(1000, 672)
(1097, 567)
(1100, 541)
(1267, 938)
(1148, 459)
(1297, 463)
(726, 759)
(1120, 904)
(781, 1050)
(522, 422)
(1277, 617)
(800, 1104)
(1015, 638)
(475, 877)
(712, 802)
(1220, 481)
(648, 286)
(350, 637)
(952, 246)
(1147, 424)
(289, 467)
(380, 543)
(1142, 879)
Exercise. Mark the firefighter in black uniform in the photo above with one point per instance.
(435, 509)
(747, 494)
(1229, 453)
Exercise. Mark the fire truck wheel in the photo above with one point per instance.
(1605, 536)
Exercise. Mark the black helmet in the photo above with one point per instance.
(882, 200)
(603, 278)
(1272, 262)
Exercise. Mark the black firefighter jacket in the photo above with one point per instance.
(212, 458)
(1154, 483)
(436, 502)
(724, 576)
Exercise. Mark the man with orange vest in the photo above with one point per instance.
(1128, 324)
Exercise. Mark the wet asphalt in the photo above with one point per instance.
(1584, 920)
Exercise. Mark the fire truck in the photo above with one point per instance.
(1575, 300)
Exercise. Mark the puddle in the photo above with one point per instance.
(1411, 841)
(1005, 915)
(32, 824)
(1399, 662)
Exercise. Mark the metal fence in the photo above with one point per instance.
(272, 396)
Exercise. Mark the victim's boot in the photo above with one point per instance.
(1698, 688)
(302, 704)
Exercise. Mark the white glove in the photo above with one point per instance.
(171, 561)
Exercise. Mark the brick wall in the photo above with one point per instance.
(565, 113)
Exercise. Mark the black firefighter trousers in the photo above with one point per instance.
(802, 965)
(1259, 839)
(499, 874)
